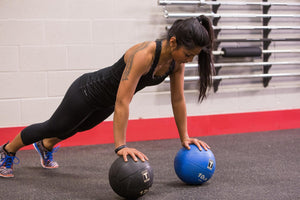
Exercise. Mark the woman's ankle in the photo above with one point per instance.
(7, 150)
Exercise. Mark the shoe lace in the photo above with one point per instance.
(8, 161)
(49, 154)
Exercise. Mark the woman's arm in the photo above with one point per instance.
(138, 59)
(178, 101)
(179, 108)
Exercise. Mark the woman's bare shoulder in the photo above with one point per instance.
(146, 48)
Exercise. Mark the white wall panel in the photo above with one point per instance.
(45, 45)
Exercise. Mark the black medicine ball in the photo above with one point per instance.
(130, 179)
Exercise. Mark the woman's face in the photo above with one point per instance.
(183, 55)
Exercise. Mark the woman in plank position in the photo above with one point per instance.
(95, 96)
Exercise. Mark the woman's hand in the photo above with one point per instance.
(133, 153)
(199, 143)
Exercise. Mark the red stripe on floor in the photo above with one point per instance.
(165, 128)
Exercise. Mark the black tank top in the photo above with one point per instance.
(100, 87)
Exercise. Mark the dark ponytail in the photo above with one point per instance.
(205, 59)
(197, 32)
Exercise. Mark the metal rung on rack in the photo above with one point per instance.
(195, 65)
(220, 77)
(225, 15)
(256, 39)
(253, 76)
(217, 3)
(217, 79)
(263, 51)
(254, 27)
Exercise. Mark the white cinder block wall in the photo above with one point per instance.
(46, 44)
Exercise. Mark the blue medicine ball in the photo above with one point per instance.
(194, 166)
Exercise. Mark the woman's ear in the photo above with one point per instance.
(173, 43)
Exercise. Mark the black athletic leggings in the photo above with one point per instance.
(73, 115)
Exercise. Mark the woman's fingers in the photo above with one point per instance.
(199, 143)
(186, 145)
(135, 154)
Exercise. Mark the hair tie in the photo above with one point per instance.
(206, 50)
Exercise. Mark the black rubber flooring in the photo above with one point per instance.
(250, 166)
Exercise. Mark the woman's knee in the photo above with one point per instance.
(37, 132)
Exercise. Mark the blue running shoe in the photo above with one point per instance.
(47, 161)
(7, 162)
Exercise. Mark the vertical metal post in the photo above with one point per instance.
(266, 43)
(215, 8)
